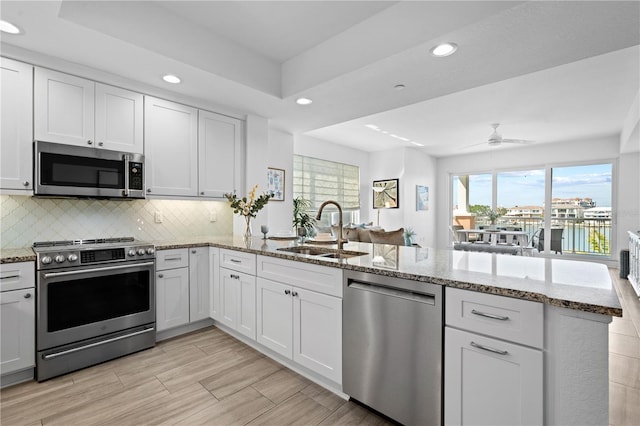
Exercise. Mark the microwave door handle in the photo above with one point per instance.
(125, 191)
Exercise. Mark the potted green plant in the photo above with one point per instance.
(409, 233)
(302, 222)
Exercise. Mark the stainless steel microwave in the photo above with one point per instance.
(75, 171)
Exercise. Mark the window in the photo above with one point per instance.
(579, 213)
(320, 180)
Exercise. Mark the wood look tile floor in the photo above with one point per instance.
(203, 378)
(209, 378)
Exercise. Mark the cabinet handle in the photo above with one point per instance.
(294, 294)
(100, 143)
(25, 183)
(488, 348)
(89, 142)
(160, 276)
(8, 277)
(27, 296)
(202, 193)
(492, 316)
(236, 260)
(148, 189)
(193, 251)
(235, 277)
(287, 292)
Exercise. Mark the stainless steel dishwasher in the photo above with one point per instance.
(392, 346)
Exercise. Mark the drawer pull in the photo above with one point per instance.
(488, 348)
(492, 316)
(8, 277)
(235, 277)
(236, 260)
(173, 258)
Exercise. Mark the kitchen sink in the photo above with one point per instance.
(327, 253)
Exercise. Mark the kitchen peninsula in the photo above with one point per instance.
(576, 301)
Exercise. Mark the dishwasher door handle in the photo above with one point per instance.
(428, 299)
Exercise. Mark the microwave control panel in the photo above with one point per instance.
(135, 176)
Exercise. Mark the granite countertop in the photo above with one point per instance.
(572, 284)
(577, 285)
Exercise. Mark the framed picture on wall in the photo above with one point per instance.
(385, 194)
(422, 197)
(275, 183)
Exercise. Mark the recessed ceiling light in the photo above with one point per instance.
(303, 101)
(444, 49)
(170, 78)
(8, 27)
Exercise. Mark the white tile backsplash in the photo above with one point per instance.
(27, 219)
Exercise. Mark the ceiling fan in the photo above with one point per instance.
(496, 138)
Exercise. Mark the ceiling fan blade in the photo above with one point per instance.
(519, 141)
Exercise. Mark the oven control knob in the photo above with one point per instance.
(46, 260)
(131, 252)
(72, 257)
(141, 252)
(60, 258)
(150, 250)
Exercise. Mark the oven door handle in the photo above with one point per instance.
(93, 345)
(85, 271)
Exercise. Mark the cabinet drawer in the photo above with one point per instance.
(238, 261)
(323, 279)
(14, 276)
(519, 321)
(170, 259)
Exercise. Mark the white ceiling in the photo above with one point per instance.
(547, 70)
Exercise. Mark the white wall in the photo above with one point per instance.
(412, 168)
(539, 156)
(280, 156)
(628, 206)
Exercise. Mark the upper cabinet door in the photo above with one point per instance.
(63, 108)
(119, 115)
(16, 92)
(171, 148)
(219, 143)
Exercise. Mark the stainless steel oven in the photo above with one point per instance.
(95, 301)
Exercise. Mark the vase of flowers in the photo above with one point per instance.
(248, 207)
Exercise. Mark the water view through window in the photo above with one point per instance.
(578, 218)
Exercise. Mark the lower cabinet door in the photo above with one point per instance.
(491, 382)
(172, 298)
(247, 305)
(317, 332)
(275, 315)
(229, 297)
(17, 321)
(199, 283)
(214, 283)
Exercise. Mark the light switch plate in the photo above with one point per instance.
(213, 216)
(158, 217)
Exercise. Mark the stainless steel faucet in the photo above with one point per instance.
(340, 238)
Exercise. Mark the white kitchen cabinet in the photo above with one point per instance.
(214, 283)
(17, 317)
(172, 288)
(16, 132)
(76, 111)
(219, 144)
(490, 377)
(298, 323)
(199, 273)
(238, 301)
(171, 148)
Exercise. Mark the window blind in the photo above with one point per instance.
(321, 180)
